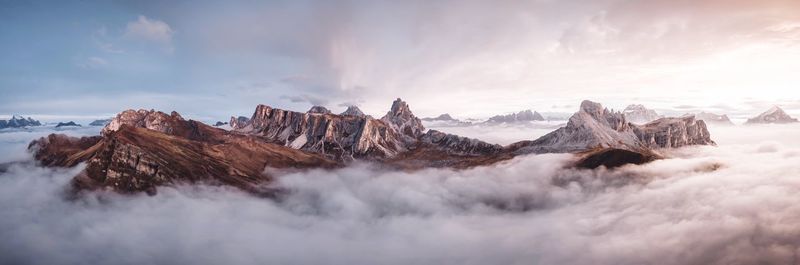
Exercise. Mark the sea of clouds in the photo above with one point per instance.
(737, 203)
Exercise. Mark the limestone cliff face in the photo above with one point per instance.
(149, 119)
(674, 132)
(341, 137)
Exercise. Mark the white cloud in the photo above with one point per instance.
(150, 30)
(527, 211)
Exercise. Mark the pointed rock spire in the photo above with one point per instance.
(401, 118)
(353, 111)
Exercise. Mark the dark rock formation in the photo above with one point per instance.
(239, 122)
(220, 123)
(613, 158)
(19, 122)
(103, 122)
(67, 124)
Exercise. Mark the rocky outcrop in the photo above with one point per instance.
(62, 150)
(353, 111)
(403, 121)
(335, 136)
(135, 159)
(773, 115)
(673, 132)
(522, 116)
(220, 123)
(319, 110)
(594, 127)
(639, 114)
(711, 118)
(149, 119)
(19, 122)
(613, 158)
(102, 122)
(67, 124)
(237, 123)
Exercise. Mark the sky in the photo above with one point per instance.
(210, 60)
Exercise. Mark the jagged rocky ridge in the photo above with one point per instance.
(141, 150)
(67, 124)
(594, 127)
(19, 122)
(773, 115)
(522, 116)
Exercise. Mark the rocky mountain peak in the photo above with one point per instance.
(149, 119)
(353, 111)
(773, 115)
(17, 121)
(595, 127)
(319, 110)
(522, 116)
(237, 123)
(401, 118)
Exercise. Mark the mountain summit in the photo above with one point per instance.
(773, 115)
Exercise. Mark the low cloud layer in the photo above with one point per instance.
(731, 204)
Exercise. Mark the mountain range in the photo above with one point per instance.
(140, 150)
(19, 122)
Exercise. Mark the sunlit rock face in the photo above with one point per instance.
(149, 119)
(403, 121)
(353, 111)
(639, 114)
(674, 132)
(773, 115)
(341, 137)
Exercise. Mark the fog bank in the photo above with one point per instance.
(731, 204)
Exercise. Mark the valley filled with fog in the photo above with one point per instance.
(735, 203)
